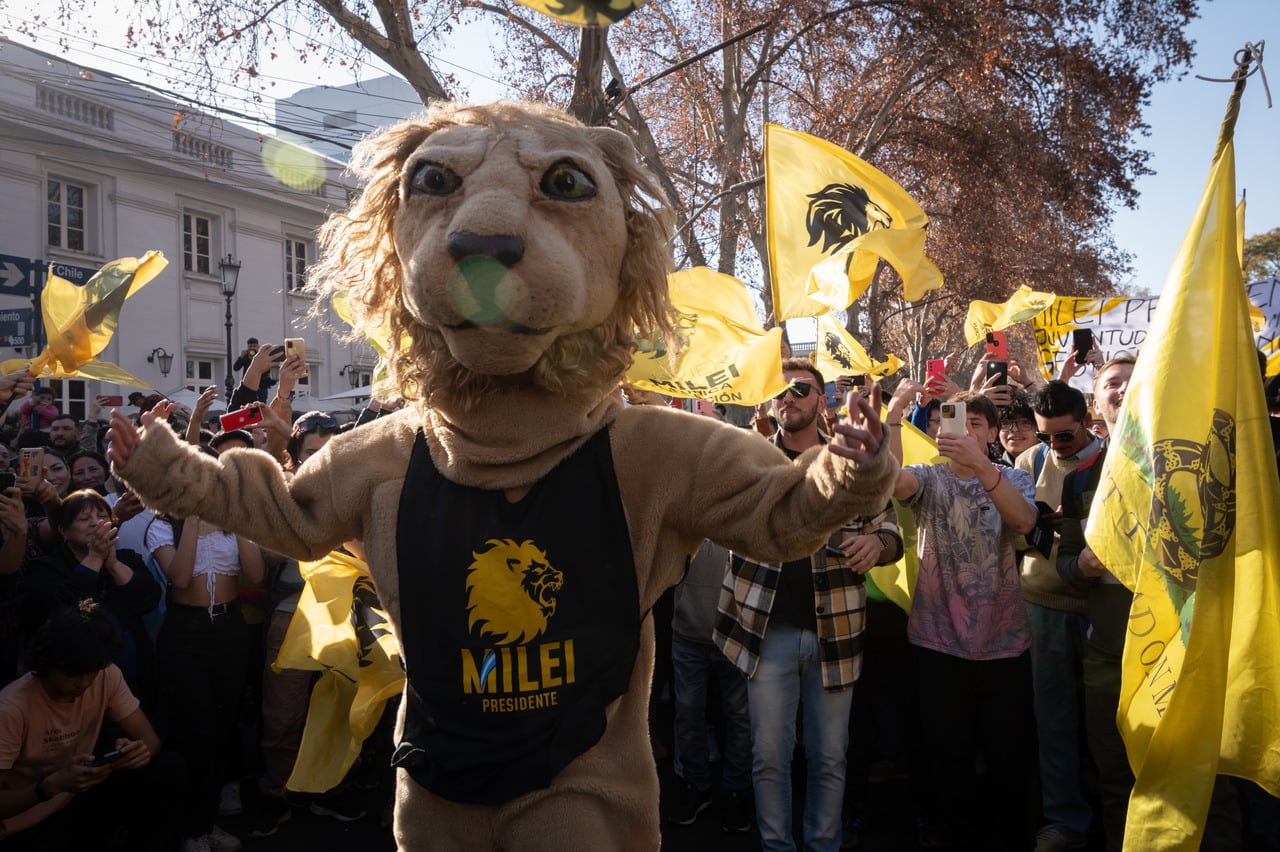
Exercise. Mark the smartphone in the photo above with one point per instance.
(107, 400)
(104, 759)
(998, 368)
(934, 367)
(31, 462)
(8, 479)
(998, 345)
(1082, 340)
(240, 418)
(833, 394)
(859, 381)
(295, 346)
(954, 418)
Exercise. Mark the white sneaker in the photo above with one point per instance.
(197, 844)
(222, 841)
(229, 799)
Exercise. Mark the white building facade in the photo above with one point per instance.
(93, 168)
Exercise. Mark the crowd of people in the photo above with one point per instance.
(136, 647)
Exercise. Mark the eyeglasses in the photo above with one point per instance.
(1062, 437)
(798, 389)
(311, 422)
(1016, 426)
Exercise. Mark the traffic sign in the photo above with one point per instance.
(77, 275)
(16, 327)
(15, 275)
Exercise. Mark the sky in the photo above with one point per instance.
(1184, 115)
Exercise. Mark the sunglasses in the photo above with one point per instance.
(799, 390)
(1061, 437)
(308, 423)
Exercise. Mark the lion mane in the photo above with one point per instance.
(511, 591)
(358, 256)
(840, 212)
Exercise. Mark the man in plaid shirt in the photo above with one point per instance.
(795, 631)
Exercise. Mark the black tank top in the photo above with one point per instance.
(520, 623)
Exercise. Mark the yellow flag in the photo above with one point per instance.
(1024, 304)
(831, 218)
(80, 321)
(341, 630)
(898, 580)
(1186, 517)
(379, 341)
(585, 12)
(838, 354)
(723, 353)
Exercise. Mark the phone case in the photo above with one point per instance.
(239, 419)
(998, 345)
(934, 367)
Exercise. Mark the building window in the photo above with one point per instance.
(295, 263)
(200, 373)
(197, 243)
(70, 396)
(66, 214)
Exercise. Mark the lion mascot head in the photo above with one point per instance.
(500, 244)
(511, 591)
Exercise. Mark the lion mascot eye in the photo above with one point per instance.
(566, 181)
(434, 179)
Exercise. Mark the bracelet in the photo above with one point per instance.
(994, 485)
(42, 795)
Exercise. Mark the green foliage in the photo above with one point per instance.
(1262, 255)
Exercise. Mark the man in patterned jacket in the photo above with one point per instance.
(795, 631)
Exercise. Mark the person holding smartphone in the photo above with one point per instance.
(968, 630)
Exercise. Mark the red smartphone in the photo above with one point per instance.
(240, 418)
(998, 345)
(107, 400)
(934, 367)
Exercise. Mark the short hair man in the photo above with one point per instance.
(56, 795)
(794, 630)
(1058, 623)
(968, 625)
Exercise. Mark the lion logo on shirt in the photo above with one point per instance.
(511, 591)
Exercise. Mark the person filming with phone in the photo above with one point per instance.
(61, 785)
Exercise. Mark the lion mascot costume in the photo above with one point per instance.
(519, 522)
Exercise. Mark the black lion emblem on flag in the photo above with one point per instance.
(837, 350)
(840, 212)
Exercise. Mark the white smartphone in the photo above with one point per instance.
(954, 418)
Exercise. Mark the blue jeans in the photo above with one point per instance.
(1057, 663)
(789, 673)
(694, 665)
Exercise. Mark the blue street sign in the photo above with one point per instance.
(77, 275)
(16, 327)
(15, 275)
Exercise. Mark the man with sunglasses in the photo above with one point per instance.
(795, 630)
(1058, 623)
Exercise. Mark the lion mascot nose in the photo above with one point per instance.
(505, 249)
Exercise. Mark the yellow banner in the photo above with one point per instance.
(898, 580)
(1024, 304)
(837, 353)
(830, 219)
(1185, 516)
(341, 630)
(723, 353)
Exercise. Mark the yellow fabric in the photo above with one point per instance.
(381, 386)
(898, 580)
(824, 245)
(1186, 517)
(585, 12)
(341, 630)
(1024, 304)
(723, 353)
(838, 354)
(80, 321)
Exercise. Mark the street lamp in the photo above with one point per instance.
(166, 360)
(351, 371)
(230, 271)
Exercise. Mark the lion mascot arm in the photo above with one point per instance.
(245, 491)
(696, 478)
